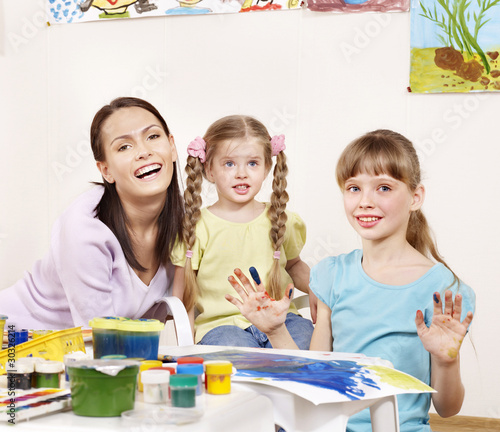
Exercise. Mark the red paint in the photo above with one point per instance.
(258, 308)
(266, 295)
(112, 2)
(268, 6)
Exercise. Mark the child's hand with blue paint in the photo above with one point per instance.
(266, 313)
(445, 335)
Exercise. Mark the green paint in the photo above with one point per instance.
(95, 394)
(398, 379)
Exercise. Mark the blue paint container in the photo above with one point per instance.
(20, 336)
(192, 369)
(140, 338)
(105, 337)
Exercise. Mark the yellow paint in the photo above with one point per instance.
(452, 353)
(218, 377)
(426, 77)
(399, 379)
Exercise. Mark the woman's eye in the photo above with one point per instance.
(153, 136)
(123, 147)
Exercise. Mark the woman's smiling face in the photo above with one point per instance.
(139, 154)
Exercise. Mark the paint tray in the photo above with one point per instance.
(51, 347)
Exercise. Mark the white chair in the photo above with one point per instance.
(178, 325)
(177, 330)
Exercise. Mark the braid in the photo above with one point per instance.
(278, 218)
(193, 201)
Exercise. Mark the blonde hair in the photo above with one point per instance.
(387, 152)
(231, 128)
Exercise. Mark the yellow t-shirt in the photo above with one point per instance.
(220, 247)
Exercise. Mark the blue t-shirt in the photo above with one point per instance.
(378, 320)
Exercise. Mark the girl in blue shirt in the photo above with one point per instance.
(396, 298)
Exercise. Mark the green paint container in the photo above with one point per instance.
(183, 390)
(103, 388)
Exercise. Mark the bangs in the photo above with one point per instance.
(375, 155)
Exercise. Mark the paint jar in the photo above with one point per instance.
(21, 375)
(115, 357)
(145, 365)
(20, 336)
(192, 369)
(218, 377)
(48, 373)
(103, 388)
(73, 357)
(3, 318)
(156, 383)
(105, 339)
(190, 360)
(39, 333)
(183, 390)
(140, 338)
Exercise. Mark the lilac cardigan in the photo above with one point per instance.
(84, 275)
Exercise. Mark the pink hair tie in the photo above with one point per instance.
(277, 144)
(196, 148)
(277, 255)
(189, 254)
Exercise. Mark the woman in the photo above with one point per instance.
(110, 250)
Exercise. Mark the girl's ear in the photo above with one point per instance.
(173, 149)
(106, 175)
(208, 173)
(418, 198)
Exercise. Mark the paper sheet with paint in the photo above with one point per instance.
(358, 5)
(455, 46)
(320, 381)
(73, 11)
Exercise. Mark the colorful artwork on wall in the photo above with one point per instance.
(358, 5)
(455, 46)
(72, 11)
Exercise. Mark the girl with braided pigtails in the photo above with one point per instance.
(238, 231)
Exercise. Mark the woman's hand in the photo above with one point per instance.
(446, 333)
(265, 313)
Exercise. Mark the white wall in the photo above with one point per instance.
(321, 79)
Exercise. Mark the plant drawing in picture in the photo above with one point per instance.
(455, 46)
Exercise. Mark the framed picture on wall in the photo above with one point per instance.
(455, 46)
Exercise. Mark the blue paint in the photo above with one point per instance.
(342, 376)
(436, 299)
(255, 275)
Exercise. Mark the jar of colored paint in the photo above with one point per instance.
(145, 365)
(105, 340)
(115, 357)
(155, 382)
(20, 336)
(190, 360)
(20, 376)
(3, 318)
(103, 388)
(39, 333)
(183, 390)
(192, 369)
(73, 357)
(218, 377)
(48, 373)
(140, 338)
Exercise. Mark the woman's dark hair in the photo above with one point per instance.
(110, 210)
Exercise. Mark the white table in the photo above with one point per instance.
(296, 414)
(234, 412)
